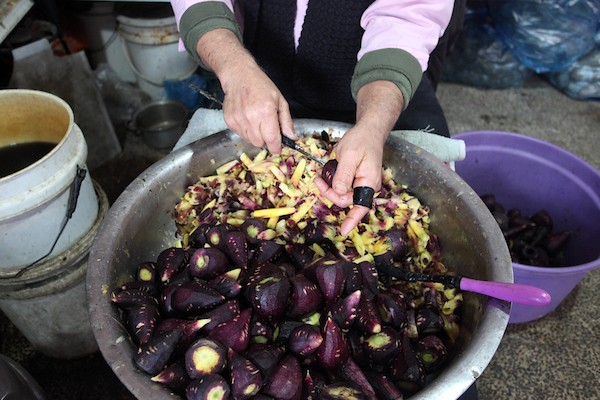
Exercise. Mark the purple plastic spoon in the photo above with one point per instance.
(513, 292)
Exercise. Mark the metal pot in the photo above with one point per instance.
(139, 225)
(161, 123)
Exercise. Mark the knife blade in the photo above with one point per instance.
(286, 141)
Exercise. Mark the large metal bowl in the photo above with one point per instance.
(139, 225)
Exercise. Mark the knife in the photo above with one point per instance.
(514, 292)
(286, 141)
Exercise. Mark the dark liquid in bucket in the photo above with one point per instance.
(15, 157)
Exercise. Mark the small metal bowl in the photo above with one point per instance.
(161, 123)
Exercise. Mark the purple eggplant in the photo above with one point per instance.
(556, 242)
(301, 254)
(384, 388)
(205, 357)
(153, 355)
(342, 391)
(146, 272)
(355, 340)
(222, 313)
(432, 352)
(210, 387)
(367, 318)
(208, 263)
(285, 328)
(285, 381)
(173, 376)
(170, 262)
(305, 340)
(261, 331)
(264, 356)
(236, 247)
(267, 251)
(344, 311)
(329, 170)
(392, 309)
(251, 228)
(227, 284)
(305, 297)
(411, 329)
(235, 333)
(429, 319)
(354, 278)
(215, 236)
(132, 297)
(286, 268)
(406, 370)
(397, 240)
(381, 347)
(331, 280)
(334, 350)
(319, 232)
(270, 297)
(195, 297)
(197, 238)
(245, 377)
(141, 321)
(351, 372)
(189, 328)
(370, 277)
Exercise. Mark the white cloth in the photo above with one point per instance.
(206, 122)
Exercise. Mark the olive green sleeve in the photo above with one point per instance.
(393, 65)
(201, 18)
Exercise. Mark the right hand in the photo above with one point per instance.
(256, 110)
(253, 107)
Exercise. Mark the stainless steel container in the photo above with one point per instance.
(161, 123)
(139, 225)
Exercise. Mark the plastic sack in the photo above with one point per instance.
(481, 59)
(122, 99)
(547, 35)
(581, 80)
(183, 91)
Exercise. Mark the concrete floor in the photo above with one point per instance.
(553, 358)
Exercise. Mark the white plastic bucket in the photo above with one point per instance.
(151, 46)
(105, 44)
(47, 303)
(34, 200)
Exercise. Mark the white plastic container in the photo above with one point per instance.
(151, 46)
(47, 302)
(34, 200)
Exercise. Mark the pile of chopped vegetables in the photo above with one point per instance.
(264, 297)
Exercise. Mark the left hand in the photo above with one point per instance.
(360, 151)
(360, 157)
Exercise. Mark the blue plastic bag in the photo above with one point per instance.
(480, 58)
(180, 89)
(581, 80)
(547, 35)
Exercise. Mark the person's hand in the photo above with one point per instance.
(256, 110)
(360, 151)
(360, 155)
(253, 107)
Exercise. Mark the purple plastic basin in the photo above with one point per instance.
(531, 174)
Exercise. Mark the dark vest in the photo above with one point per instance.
(318, 74)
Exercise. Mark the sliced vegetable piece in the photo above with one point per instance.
(153, 355)
(211, 387)
(205, 357)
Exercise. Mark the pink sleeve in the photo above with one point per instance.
(412, 25)
(179, 6)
